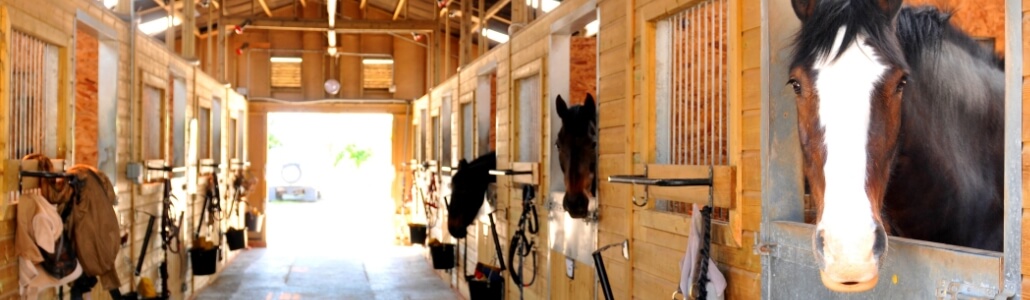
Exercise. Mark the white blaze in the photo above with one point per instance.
(845, 86)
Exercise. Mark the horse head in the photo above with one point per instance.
(848, 75)
(577, 154)
(468, 188)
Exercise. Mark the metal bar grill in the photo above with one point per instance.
(33, 95)
(692, 102)
(698, 79)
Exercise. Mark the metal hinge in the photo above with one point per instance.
(762, 248)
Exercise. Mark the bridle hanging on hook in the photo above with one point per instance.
(520, 243)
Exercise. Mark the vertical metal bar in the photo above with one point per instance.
(681, 69)
(40, 94)
(1013, 132)
(674, 89)
(702, 83)
(16, 96)
(696, 88)
(28, 100)
(723, 128)
(709, 125)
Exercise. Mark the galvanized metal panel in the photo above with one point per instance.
(1013, 147)
(912, 270)
(575, 238)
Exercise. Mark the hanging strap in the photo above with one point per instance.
(497, 242)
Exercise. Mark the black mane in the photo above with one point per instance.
(924, 28)
(818, 33)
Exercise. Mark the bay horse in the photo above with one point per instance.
(468, 189)
(577, 154)
(900, 120)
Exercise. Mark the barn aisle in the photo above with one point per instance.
(337, 248)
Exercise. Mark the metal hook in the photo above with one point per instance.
(677, 292)
(633, 191)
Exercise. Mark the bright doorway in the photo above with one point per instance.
(329, 180)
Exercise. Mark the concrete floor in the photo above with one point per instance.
(331, 249)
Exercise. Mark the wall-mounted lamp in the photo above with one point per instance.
(417, 37)
(205, 3)
(442, 3)
(239, 51)
(238, 29)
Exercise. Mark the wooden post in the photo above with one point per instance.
(169, 33)
(518, 12)
(446, 47)
(466, 41)
(223, 62)
(189, 24)
(209, 67)
(478, 30)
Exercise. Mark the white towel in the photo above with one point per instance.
(716, 282)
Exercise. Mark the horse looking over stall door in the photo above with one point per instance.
(577, 154)
(901, 124)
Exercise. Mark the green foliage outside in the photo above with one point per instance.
(357, 156)
(273, 142)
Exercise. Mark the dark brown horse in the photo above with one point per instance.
(900, 124)
(577, 154)
(468, 189)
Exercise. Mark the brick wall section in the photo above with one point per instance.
(86, 60)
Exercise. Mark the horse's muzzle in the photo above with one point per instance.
(577, 205)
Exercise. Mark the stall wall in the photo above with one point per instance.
(56, 22)
(657, 239)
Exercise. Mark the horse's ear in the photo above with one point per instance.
(889, 8)
(590, 108)
(563, 110)
(462, 164)
(804, 8)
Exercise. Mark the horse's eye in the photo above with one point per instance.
(796, 85)
(901, 84)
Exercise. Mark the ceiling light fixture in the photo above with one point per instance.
(238, 29)
(239, 51)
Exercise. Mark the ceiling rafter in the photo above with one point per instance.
(492, 12)
(342, 26)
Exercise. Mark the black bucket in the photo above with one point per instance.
(418, 233)
(485, 288)
(443, 256)
(487, 283)
(254, 221)
(237, 238)
(204, 261)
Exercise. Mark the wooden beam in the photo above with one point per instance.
(162, 6)
(342, 26)
(490, 13)
(264, 5)
(397, 11)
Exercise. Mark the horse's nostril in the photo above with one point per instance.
(849, 283)
(880, 246)
(818, 243)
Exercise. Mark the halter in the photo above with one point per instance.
(520, 244)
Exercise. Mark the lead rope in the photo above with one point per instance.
(706, 220)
